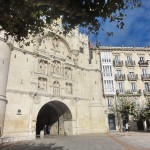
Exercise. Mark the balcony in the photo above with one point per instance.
(143, 63)
(119, 77)
(145, 77)
(118, 63)
(129, 93)
(133, 77)
(130, 63)
(146, 92)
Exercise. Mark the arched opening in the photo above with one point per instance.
(58, 116)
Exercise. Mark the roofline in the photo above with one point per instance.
(121, 48)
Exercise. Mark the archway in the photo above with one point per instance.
(57, 115)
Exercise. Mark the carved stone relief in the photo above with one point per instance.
(42, 83)
(55, 43)
(68, 72)
(56, 88)
(43, 65)
(68, 88)
(37, 100)
(56, 67)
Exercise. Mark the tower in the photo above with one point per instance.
(5, 52)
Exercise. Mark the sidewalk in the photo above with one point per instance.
(132, 140)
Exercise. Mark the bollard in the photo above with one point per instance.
(41, 134)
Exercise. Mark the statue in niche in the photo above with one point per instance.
(68, 88)
(56, 88)
(36, 43)
(56, 67)
(43, 66)
(55, 43)
(76, 61)
(68, 72)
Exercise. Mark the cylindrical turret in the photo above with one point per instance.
(75, 45)
(5, 52)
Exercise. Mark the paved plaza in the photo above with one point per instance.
(110, 141)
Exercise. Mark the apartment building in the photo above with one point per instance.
(125, 74)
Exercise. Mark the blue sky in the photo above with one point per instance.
(136, 31)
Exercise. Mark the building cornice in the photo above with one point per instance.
(46, 94)
(109, 48)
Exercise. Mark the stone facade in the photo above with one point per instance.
(60, 81)
(51, 82)
(125, 74)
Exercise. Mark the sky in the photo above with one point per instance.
(136, 31)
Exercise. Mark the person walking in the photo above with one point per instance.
(127, 127)
(45, 130)
(49, 129)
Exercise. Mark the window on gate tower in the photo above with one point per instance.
(110, 102)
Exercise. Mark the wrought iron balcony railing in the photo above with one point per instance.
(130, 63)
(119, 77)
(143, 63)
(118, 63)
(146, 92)
(145, 77)
(129, 93)
(133, 77)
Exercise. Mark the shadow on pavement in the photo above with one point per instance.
(33, 146)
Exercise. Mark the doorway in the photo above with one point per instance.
(111, 121)
(56, 115)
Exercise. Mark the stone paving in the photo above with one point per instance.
(111, 141)
(134, 140)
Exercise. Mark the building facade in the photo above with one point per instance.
(125, 75)
(51, 82)
(62, 82)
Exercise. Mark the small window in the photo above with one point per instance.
(129, 59)
(110, 102)
(117, 58)
(142, 59)
(133, 87)
(81, 50)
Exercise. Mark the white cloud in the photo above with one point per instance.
(136, 31)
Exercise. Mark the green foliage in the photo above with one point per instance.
(143, 112)
(19, 18)
(126, 107)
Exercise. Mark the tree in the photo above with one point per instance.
(143, 112)
(124, 107)
(19, 18)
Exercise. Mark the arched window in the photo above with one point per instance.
(56, 88)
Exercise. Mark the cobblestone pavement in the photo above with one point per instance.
(111, 141)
